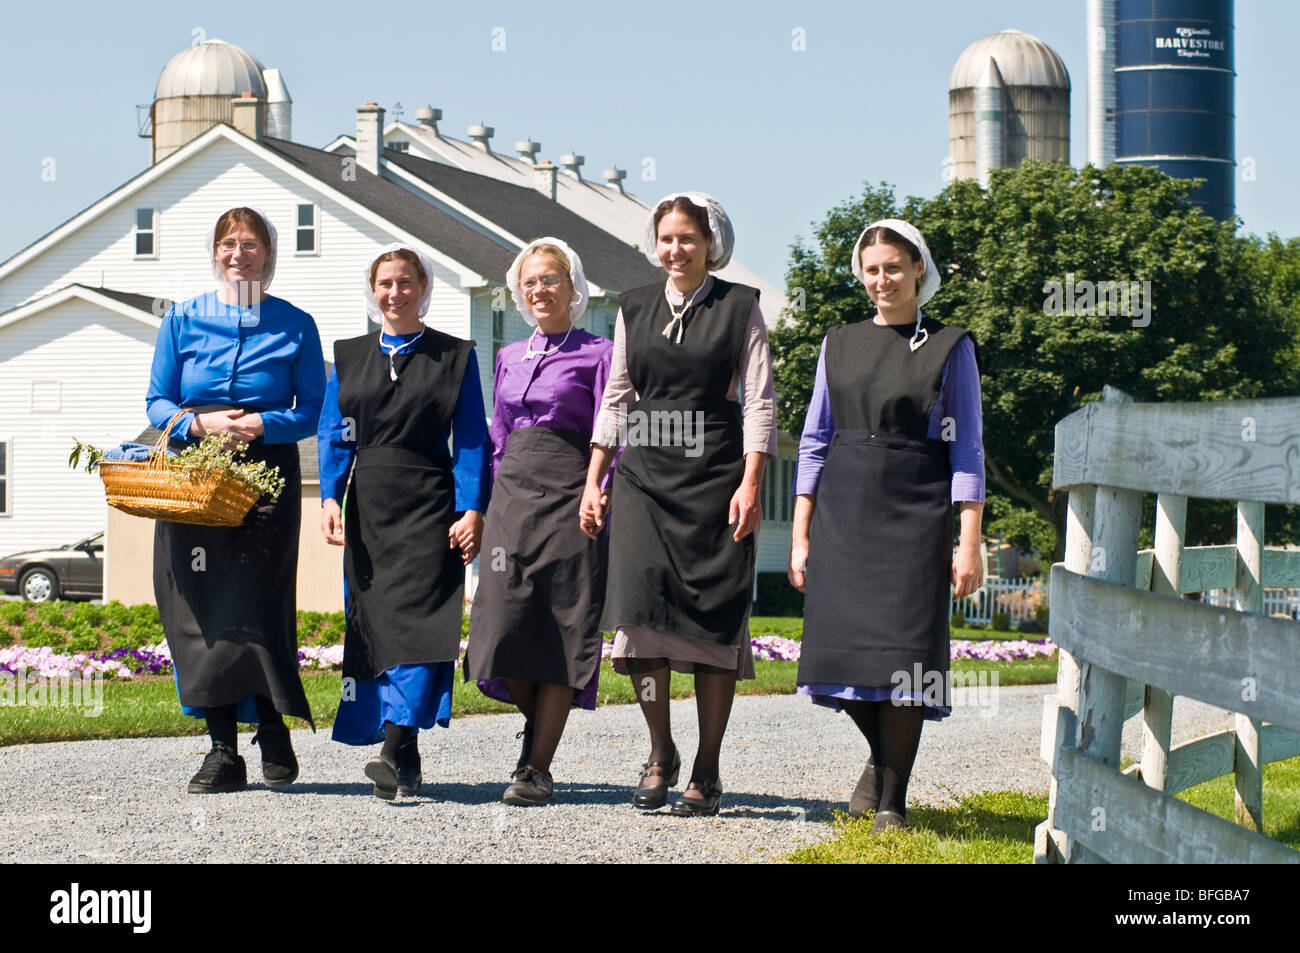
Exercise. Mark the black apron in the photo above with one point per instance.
(227, 596)
(405, 583)
(673, 563)
(541, 582)
(880, 544)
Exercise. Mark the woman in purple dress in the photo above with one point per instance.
(892, 442)
(534, 636)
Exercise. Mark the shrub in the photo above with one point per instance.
(13, 613)
(1001, 622)
(6, 637)
(330, 634)
(145, 633)
(36, 635)
(144, 614)
(116, 614)
(51, 614)
(776, 596)
(309, 624)
(83, 639)
(958, 620)
(86, 613)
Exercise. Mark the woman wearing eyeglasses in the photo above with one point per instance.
(534, 635)
(247, 366)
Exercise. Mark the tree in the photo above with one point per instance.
(1214, 317)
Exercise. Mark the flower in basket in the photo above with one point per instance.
(214, 456)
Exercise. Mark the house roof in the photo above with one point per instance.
(153, 305)
(137, 307)
(526, 213)
(487, 256)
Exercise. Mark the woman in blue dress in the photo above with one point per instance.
(248, 366)
(413, 517)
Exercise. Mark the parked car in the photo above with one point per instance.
(72, 571)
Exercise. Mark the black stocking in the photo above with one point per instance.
(550, 716)
(900, 735)
(650, 681)
(267, 715)
(221, 725)
(715, 689)
(394, 737)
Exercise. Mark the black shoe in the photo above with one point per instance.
(526, 751)
(651, 797)
(866, 796)
(279, 766)
(530, 788)
(888, 820)
(408, 769)
(222, 772)
(699, 807)
(383, 771)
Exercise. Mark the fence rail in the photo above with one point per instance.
(1018, 598)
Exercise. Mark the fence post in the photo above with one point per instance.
(1166, 568)
(1248, 800)
(1050, 845)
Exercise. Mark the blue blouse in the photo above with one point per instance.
(468, 432)
(267, 355)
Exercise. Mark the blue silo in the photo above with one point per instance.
(1174, 105)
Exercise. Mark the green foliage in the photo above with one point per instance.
(13, 613)
(51, 614)
(1224, 317)
(1022, 528)
(6, 637)
(36, 635)
(958, 621)
(143, 615)
(776, 597)
(309, 624)
(82, 638)
(116, 614)
(146, 633)
(1001, 622)
(212, 455)
(332, 631)
(86, 613)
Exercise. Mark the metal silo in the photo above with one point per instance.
(1174, 93)
(1024, 79)
(195, 90)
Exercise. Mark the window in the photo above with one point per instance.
(4, 477)
(146, 233)
(771, 492)
(306, 244)
(400, 146)
(498, 333)
(787, 496)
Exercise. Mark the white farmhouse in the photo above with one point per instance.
(80, 307)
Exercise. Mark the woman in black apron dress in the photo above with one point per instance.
(534, 635)
(685, 494)
(249, 366)
(413, 514)
(895, 416)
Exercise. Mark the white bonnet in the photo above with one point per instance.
(211, 242)
(577, 305)
(724, 239)
(372, 306)
(929, 282)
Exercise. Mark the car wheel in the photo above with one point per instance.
(39, 585)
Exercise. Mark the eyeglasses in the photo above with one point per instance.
(229, 245)
(547, 281)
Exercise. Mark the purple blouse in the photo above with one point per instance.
(959, 399)
(560, 390)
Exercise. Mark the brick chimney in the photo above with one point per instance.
(370, 136)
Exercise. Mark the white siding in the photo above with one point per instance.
(328, 284)
(101, 361)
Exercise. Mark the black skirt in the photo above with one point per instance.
(227, 596)
(541, 583)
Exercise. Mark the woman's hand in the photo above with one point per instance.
(744, 512)
(967, 570)
(796, 569)
(331, 522)
(593, 509)
(467, 533)
(238, 426)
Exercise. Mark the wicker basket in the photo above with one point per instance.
(145, 488)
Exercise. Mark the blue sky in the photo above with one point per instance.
(713, 93)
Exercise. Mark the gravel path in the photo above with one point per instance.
(786, 766)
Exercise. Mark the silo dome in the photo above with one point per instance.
(195, 90)
(1008, 100)
(212, 68)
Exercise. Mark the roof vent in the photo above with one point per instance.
(614, 176)
(482, 136)
(573, 164)
(528, 150)
(428, 116)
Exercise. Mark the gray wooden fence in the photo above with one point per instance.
(1130, 642)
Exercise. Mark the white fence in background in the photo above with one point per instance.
(1019, 598)
(1277, 602)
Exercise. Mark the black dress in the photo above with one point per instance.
(674, 566)
(880, 556)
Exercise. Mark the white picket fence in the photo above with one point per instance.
(1277, 602)
(1016, 597)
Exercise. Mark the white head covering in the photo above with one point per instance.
(372, 306)
(577, 304)
(724, 239)
(929, 283)
(269, 273)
